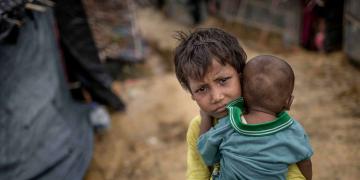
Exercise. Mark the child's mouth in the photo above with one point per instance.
(220, 109)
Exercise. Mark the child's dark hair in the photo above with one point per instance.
(196, 51)
(267, 83)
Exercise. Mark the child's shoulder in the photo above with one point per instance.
(222, 125)
(296, 129)
(223, 128)
(299, 140)
(297, 125)
(195, 120)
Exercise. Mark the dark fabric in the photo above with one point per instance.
(44, 134)
(308, 30)
(352, 31)
(333, 16)
(8, 5)
(11, 11)
(81, 54)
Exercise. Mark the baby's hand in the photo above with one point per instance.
(206, 122)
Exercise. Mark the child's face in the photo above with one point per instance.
(220, 85)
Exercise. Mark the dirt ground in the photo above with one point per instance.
(148, 140)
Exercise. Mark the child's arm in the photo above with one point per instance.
(206, 122)
(305, 167)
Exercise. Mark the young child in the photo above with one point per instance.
(208, 63)
(261, 143)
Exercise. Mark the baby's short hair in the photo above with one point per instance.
(196, 51)
(268, 82)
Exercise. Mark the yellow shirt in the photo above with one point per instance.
(196, 168)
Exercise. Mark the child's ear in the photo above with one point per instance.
(289, 102)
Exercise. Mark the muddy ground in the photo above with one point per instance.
(148, 140)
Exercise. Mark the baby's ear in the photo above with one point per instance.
(289, 102)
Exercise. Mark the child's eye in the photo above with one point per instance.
(222, 81)
(201, 90)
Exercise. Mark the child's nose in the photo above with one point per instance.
(217, 96)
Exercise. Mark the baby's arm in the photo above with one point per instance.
(305, 167)
(206, 122)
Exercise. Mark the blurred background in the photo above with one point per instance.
(88, 89)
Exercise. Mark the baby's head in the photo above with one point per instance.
(268, 83)
(196, 51)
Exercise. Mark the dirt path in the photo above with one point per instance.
(148, 141)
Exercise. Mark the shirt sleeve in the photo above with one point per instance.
(309, 151)
(304, 150)
(196, 168)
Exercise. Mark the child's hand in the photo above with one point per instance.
(206, 122)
